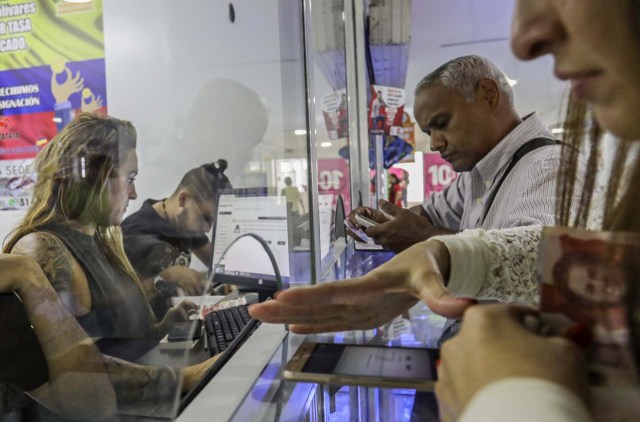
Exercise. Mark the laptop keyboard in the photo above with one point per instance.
(223, 326)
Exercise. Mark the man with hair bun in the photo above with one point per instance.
(182, 221)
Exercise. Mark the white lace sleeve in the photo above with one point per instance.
(494, 264)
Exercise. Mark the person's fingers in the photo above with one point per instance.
(389, 208)
(504, 314)
(355, 236)
(443, 302)
(352, 216)
(363, 211)
(378, 230)
(179, 314)
(188, 305)
(275, 312)
(345, 291)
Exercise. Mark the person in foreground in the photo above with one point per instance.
(550, 372)
(496, 369)
(85, 180)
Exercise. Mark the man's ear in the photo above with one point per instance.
(183, 197)
(487, 91)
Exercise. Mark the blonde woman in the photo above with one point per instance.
(86, 177)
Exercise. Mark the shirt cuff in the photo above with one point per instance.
(469, 262)
(525, 400)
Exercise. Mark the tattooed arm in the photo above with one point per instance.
(131, 382)
(77, 383)
(63, 271)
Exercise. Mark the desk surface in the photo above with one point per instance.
(250, 385)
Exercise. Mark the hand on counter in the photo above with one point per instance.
(369, 301)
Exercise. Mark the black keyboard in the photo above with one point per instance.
(223, 326)
(250, 326)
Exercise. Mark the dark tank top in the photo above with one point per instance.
(119, 308)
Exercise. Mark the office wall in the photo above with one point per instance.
(196, 86)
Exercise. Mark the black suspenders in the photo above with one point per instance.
(521, 152)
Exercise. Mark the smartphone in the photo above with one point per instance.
(185, 331)
(374, 366)
(365, 222)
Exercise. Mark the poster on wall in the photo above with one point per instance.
(438, 173)
(51, 67)
(386, 110)
(408, 135)
(334, 110)
(333, 179)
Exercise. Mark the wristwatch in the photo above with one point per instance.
(160, 284)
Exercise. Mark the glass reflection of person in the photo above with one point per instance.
(86, 177)
(293, 197)
(183, 220)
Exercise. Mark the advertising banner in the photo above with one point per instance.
(385, 110)
(438, 174)
(333, 178)
(51, 67)
(336, 119)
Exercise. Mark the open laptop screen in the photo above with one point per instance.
(243, 260)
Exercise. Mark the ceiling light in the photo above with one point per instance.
(325, 144)
(300, 132)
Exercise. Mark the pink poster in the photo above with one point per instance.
(438, 173)
(333, 178)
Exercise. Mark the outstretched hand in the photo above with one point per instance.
(404, 229)
(494, 344)
(369, 301)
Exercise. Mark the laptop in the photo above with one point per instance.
(251, 240)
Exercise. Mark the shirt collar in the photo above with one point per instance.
(531, 127)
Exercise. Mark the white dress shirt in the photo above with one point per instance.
(526, 197)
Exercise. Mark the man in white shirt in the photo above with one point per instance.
(508, 164)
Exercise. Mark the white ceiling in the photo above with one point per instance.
(437, 24)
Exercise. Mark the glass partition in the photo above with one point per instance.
(236, 119)
(212, 145)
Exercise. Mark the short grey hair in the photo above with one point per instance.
(464, 73)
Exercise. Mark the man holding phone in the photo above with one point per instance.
(508, 164)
